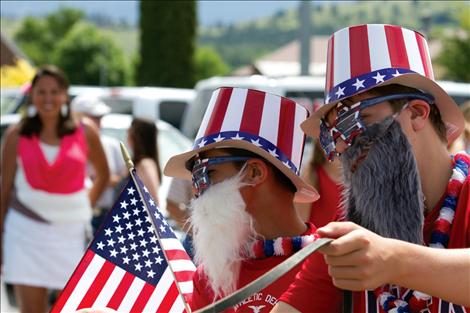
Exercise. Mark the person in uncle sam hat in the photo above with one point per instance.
(390, 123)
(245, 167)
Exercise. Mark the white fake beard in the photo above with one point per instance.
(221, 229)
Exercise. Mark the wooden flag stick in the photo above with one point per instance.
(126, 157)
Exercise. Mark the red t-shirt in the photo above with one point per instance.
(262, 301)
(324, 209)
(313, 290)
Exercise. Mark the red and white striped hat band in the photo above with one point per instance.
(264, 120)
(362, 57)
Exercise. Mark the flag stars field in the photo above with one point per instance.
(128, 243)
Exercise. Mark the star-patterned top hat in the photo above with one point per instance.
(367, 56)
(260, 122)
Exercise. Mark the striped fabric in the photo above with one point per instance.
(125, 268)
(271, 122)
(361, 57)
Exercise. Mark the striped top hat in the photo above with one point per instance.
(263, 123)
(367, 56)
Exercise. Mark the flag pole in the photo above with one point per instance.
(126, 157)
(130, 167)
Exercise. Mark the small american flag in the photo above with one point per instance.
(125, 267)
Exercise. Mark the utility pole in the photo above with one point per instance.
(304, 36)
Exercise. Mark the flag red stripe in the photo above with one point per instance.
(285, 133)
(359, 50)
(184, 275)
(176, 255)
(169, 299)
(251, 118)
(331, 60)
(97, 285)
(396, 46)
(73, 281)
(424, 55)
(143, 298)
(220, 108)
(121, 291)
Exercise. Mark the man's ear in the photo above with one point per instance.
(419, 113)
(256, 172)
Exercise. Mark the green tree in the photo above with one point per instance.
(208, 63)
(38, 37)
(167, 33)
(90, 57)
(455, 54)
(34, 39)
(61, 21)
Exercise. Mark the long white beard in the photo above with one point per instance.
(221, 229)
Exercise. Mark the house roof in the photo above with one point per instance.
(285, 60)
(9, 52)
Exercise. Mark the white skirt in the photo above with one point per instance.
(41, 254)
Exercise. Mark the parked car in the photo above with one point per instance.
(170, 140)
(156, 103)
(9, 97)
(22, 96)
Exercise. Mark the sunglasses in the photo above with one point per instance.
(200, 173)
(345, 122)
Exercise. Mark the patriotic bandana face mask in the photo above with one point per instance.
(345, 121)
(200, 171)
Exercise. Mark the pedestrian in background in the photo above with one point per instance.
(325, 177)
(463, 142)
(93, 108)
(142, 139)
(466, 133)
(45, 206)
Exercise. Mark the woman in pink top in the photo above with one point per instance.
(45, 207)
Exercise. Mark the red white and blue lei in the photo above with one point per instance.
(439, 239)
(282, 246)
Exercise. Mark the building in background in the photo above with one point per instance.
(9, 52)
(285, 60)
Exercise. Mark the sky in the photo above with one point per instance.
(209, 12)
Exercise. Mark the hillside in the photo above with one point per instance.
(240, 44)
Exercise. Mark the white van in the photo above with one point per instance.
(154, 103)
(306, 90)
